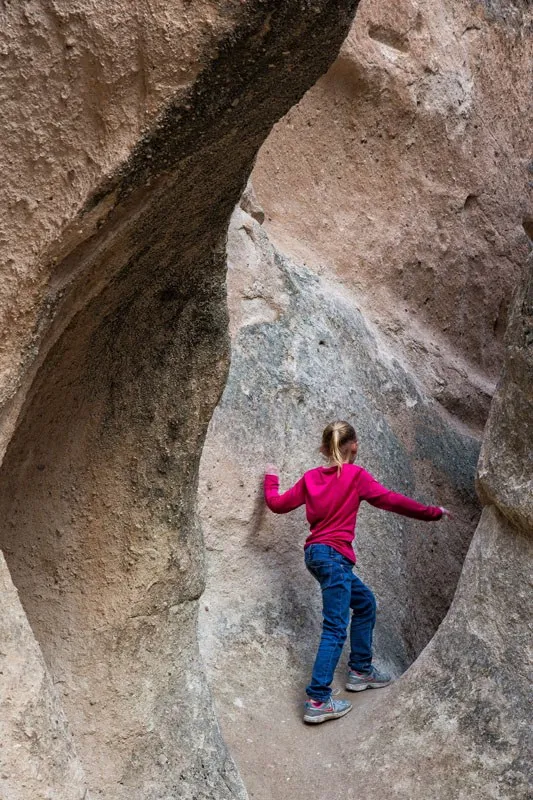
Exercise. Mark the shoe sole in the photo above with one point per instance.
(325, 717)
(362, 686)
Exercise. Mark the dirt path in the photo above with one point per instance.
(278, 756)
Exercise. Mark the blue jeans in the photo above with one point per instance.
(341, 591)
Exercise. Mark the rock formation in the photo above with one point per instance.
(394, 198)
(460, 715)
(370, 271)
(404, 173)
(36, 751)
(129, 137)
(302, 354)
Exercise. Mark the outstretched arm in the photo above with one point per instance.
(289, 500)
(381, 497)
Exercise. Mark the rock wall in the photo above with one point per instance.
(125, 157)
(130, 135)
(36, 750)
(302, 354)
(461, 713)
(404, 174)
(370, 278)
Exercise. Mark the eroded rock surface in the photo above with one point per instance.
(506, 463)
(460, 715)
(403, 172)
(36, 750)
(115, 353)
(302, 354)
(131, 135)
(395, 201)
(455, 726)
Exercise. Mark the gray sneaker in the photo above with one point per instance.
(330, 709)
(373, 679)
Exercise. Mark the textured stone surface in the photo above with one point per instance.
(506, 463)
(128, 136)
(456, 725)
(115, 350)
(461, 714)
(302, 354)
(404, 173)
(400, 180)
(37, 757)
(80, 84)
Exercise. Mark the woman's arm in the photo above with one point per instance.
(289, 500)
(381, 497)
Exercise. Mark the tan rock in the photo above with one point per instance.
(462, 712)
(37, 757)
(251, 205)
(505, 472)
(403, 172)
(455, 725)
(400, 180)
(129, 137)
(303, 354)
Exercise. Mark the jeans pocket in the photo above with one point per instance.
(320, 570)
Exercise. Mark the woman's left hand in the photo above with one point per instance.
(271, 469)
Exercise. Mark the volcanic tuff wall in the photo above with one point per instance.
(461, 715)
(403, 173)
(129, 138)
(302, 353)
(371, 279)
(131, 134)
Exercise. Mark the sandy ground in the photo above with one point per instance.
(281, 757)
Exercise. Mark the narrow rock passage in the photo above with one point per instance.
(302, 354)
(379, 290)
(129, 138)
(454, 726)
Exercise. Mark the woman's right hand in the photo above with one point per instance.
(445, 512)
(271, 469)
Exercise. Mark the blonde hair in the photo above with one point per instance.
(334, 438)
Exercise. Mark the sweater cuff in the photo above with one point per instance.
(271, 481)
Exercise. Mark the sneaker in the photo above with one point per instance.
(330, 709)
(373, 679)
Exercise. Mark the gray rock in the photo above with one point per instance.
(505, 474)
(303, 355)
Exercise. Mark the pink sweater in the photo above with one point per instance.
(332, 503)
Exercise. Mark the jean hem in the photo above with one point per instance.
(319, 699)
